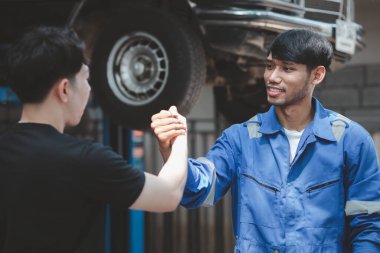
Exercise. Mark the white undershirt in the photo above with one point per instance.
(294, 138)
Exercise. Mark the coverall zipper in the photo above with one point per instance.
(313, 188)
(263, 185)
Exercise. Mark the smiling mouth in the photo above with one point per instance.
(274, 89)
(274, 92)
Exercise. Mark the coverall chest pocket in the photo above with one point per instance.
(259, 201)
(324, 201)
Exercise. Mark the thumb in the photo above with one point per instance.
(173, 110)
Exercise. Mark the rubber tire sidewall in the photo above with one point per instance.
(186, 65)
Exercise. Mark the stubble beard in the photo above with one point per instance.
(294, 100)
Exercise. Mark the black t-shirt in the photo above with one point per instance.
(52, 187)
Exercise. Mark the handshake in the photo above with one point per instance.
(167, 125)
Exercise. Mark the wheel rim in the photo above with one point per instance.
(137, 68)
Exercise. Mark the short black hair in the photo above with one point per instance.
(302, 46)
(41, 57)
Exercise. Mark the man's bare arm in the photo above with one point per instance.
(163, 193)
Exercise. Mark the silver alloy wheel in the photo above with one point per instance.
(137, 68)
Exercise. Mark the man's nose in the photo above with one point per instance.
(273, 76)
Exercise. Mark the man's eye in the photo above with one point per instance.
(269, 66)
(286, 69)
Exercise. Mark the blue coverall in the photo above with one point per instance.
(327, 200)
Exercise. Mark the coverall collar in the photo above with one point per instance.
(320, 126)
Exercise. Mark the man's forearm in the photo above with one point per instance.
(175, 167)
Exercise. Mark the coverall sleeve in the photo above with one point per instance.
(210, 177)
(363, 194)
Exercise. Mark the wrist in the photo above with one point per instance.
(165, 153)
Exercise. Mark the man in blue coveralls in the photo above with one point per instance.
(303, 178)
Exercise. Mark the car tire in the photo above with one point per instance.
(146, 60)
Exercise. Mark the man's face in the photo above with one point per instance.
(287, 83)
(80, 92)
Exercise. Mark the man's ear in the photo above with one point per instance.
(318, 74)
(62, 90)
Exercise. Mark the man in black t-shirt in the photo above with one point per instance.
(52, 186)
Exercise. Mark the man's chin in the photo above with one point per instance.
(275, 102)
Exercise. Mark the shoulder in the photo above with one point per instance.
(97, 152)
(244, 128)
(239, 135)
(351, 130)
(235, 132)
(3, 134)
